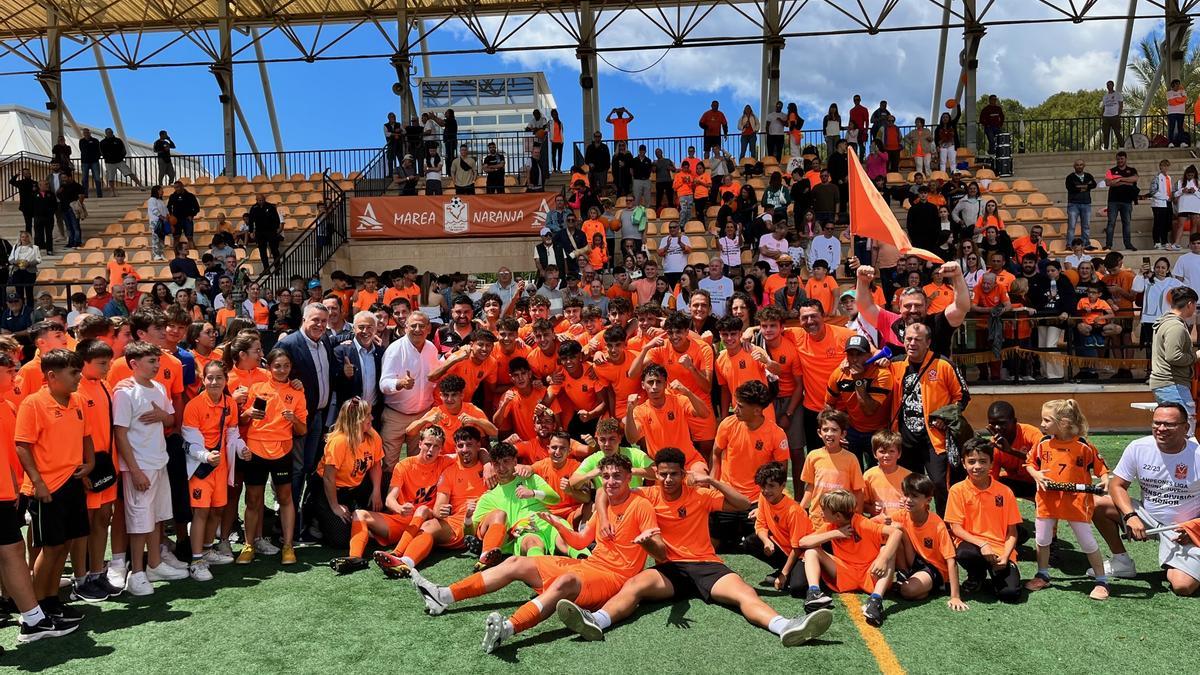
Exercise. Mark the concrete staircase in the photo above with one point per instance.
(101, 213)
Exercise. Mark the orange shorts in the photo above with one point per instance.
(395, 524)
(570, 513)
(457, 524)
(212, 491)
(597, 585)
(851, 578)
(97, 499)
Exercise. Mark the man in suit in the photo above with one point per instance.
(313, 363)
(358, 362)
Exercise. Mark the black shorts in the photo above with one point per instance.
(712, 142)
(922, 565)
(61, 519)
(12, 519)
(730, 527)
(256, 469)
(693, 579)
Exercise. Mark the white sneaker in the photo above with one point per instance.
(169, 558)
(214, 557)
(1120, 567)
(116, 574)
(1158, 247)
(265, 547)
(165, 572)
(224, 549)
(199, 571)
(139, 584)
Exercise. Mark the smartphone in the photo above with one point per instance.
(260, 404)
(1146, 260)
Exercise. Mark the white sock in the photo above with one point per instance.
(1124, 557)
(444, 595)
(407, 561)
(603, 620)
(777, 624)
(118, 560)
(33, 616)
(537, 603)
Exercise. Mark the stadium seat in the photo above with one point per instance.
(1023, 186)
(1028, 216)
(747, 257)
(693, 227)
(96, 258)
(201, 180)
(136, 229)
(1038, 199)
(210, 202)
(985, 174)
(294, 198)
(894, 178)
(297, 178)
(140, 257)
(93, 272)
(299, 211)
(74, 274)
(998, 187)
(935, 175)
(1049, 231)
(47, 274)
(139, 242)
(115, 242)
(112, 230)
(318, 197)
(131, 216)
(669, 214)
(72, 258)
(698, 259)
(1055, 214)
(1016, 231)
(1012, 201)
(650, 244)
(147, 273)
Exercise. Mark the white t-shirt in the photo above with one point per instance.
(776, 123)
(1110, 104)
(1154, 300)
(1170, 483)
(148, 441)
(731, 251)
(1073, 260)
(825, 248)
(768, 242)
(720, 290)
(1187, 269)
(675, 259)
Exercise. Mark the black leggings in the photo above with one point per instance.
(1162, 224)
(797, 583)
(556, 153)
(1006, 581)
(662, 190)
(335, 532)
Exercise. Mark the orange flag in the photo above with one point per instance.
(870, 215)
(1192, 529)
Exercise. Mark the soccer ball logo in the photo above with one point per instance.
(456, 216)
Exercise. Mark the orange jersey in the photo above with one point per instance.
(520, 411)
(202, 361)
(616, 376)
(734, 370)
(472, 373)
(820, 358)
(940, 297)
(351, 463)
(97, 410)
(618, 554)
(11, 471)
(1122, 278)
(841, 394)
(418, 480)
(931, 540)
(578, 393)
(346, 296)
(501, 361)
(668, 426)
(246, 378)
(1093, 312)
(261, 314)
(996, 297)
(364, 299)
(118, 271)
(271, 437)
(824, 290)
(986, 513)
(884, 488)
(412, 294)
(462, 484)
(773, 283)
(1073, 461)
(170, 374)
(55, 432)
(859, 551)
(684, 522)
(553, 476)
(824, 472)
(785, 522)
(450, 422)
(597, 257)
(743, 450)
(543, 364)
(29, 379)
(701, 355)
(533, 450)
(785, 354)
(1010, 466)
(204, 415)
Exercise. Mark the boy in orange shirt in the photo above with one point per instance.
(882, 493)
(779, 524)
(55, 450)
(472, 362)
(665, 418)
(925, 561)
(557, 470)
(118, 269)
(577, 391)
(368, 295)
(983, 517)
(831, 467)
(822, 287)
(612, 366)
(745, 441)
(863, 557)
(516, 410)
(453, 413)
(46, 336)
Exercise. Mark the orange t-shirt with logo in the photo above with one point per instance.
(820, 357)
(985, 513)
(824, 472)
(930, 540)
(786, 355)
(450, 422)
(553, 476)
(246, 378)
(743, 450)
(346, 295)
(785, 522)
(418, 480)
(884, 488)
(543, 364)
(616, 376)
(618, 554)
(857, 552)
(55, 432)
(735, 370)
(993, 298)
(351, 464)
(271, 437)
(1073, 461)
(944, 298)
(620, 127)
(364, 299)
(462, 484)
(668, 426)
(412, 294)
(501, 361)
(97, 410)
(702, 360)
(578, 393)
(841, 394)
(684, 522)
(170, 373)
(520, 411)
(824, 290)
(11, 471)
(118, 271)
(1093, 312)
(472, 373)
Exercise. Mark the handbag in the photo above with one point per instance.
(104, 473)
(204, 468)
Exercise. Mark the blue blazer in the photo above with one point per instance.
(305, 370)
(349, 387)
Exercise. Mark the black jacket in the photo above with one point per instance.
(26, 187)
(598, 157)
(304, 369)
(89, 150)
(44, 205)
(1049, 304)
(112, 149)
(565, 242)
(183, 205)
(264, 218)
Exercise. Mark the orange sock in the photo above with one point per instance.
(420, 547)
(527, 616)
(410, 533)
(471, 587)
(493, 538)
(358, 538)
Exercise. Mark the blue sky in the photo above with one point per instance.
(343, 104)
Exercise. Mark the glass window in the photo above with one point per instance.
(491, 91)
(520, 90)
(434, 95)
(481, 120)
(462, 93)
(512, 119)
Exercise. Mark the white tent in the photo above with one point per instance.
(25, 130)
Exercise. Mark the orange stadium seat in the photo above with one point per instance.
(71, 274)
(1023, 186)
(140, 257)
(96, 258)
(1028, 215)
(1053, 213)
(998, 187)
(1012, 201)
(1038, 199)
(1016, 231)
(71, 258)
(985, 174)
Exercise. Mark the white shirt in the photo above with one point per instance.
(1170, 483)
(190, 285)
(219, 301)
(1187, 269)
(1074, 260)
(1154, 300)
(400, 360)
(1188, 202)
(156, 209)
(776, 123)
(675, 259)
(366, 365)
(825, 248)
(1110, 104)
(731, 252)
(148, 441)
(720, 290)
(321, 361)
(768, 242)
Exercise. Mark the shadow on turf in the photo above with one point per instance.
(43, 655)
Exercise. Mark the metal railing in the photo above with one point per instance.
(315, 246)
(304, 162)
(376, 174)
(11, 165)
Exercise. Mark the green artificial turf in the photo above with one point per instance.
(264, 618)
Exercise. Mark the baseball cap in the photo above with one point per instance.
(545, 231)
(858, 343)
(12, 296)
(313, 284)
(848, 294)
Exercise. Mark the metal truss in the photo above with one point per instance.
(135, 34)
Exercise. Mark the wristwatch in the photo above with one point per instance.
(1125, 518)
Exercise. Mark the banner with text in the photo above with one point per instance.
(437, 217)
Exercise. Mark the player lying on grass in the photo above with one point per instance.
(589, 583)
(692, 568)
(863, 556)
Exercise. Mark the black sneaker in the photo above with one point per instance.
(473, 544)
(971, 584)
(816, 599)
(769, 580)
(107, 586)
(46, 628)
(61, 613)
(873, 611)
(7, 606)
(89, 591)
(348, 565)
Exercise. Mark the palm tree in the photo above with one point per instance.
(1145, 65)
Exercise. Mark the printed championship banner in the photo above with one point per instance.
(438, 217)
